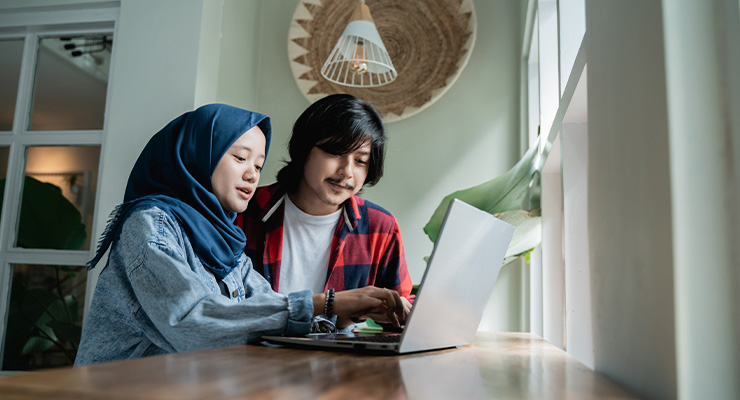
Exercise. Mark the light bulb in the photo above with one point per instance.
(359, 65)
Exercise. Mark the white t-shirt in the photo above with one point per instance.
(306, 249)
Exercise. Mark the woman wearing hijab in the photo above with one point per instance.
(177, 278)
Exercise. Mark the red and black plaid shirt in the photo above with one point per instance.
(366, 248)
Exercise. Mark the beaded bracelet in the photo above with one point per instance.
(329, 304)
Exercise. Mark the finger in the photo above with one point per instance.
(376, 306)
(395, 307)
(389, 311)
(380, 318)
(406, 304)
(406, 308)
(400, 307)
(396, 322)
(390, 298)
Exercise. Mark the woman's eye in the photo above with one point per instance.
(258, 168)
(240, 159)
(362, 162)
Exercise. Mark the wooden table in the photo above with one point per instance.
(497, 365)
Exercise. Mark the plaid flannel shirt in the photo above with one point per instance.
(366, 248)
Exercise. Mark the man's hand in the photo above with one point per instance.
(373, 302)
(343, 322)
(382, 318)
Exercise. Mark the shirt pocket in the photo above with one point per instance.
(234, 287)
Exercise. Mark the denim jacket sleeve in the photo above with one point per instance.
(182, 299)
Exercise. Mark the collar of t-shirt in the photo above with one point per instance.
(306, 249)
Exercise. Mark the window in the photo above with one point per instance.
(560, 296)
(11, 52)
(53, 91)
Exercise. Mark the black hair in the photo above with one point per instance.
(336, 124)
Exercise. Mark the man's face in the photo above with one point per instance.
(237, 174)
(329, 179)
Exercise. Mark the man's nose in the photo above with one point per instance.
(345, 166)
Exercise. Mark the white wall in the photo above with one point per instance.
(702, 60)
(153, 80)
(468, 136)
(239, 65)
(629, 199)
(553, 270)
(578, 298)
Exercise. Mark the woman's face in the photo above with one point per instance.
(237, 174)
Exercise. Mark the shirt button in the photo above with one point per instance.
(235, 294)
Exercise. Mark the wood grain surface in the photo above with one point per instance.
(497, 365)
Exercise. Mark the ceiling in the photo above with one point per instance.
(69, 89)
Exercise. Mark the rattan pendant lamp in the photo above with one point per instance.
(359, 59)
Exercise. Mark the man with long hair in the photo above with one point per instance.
(310, 230)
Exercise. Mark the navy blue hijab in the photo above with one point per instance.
(174, 172)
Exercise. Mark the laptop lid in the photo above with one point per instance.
(459, 278)
(453, 292)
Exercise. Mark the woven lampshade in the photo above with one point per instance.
(359, 59)
(428, 41)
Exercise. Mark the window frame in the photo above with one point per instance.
(557, 64)
(31, 25)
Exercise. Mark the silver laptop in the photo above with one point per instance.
(457, 283)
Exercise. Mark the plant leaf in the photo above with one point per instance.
(73, 306)
(506, 192)
(527, 233)
(48, 220)
(65, 331)
(35, 303)
(36, 344)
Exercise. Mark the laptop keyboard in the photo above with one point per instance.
(373, 338)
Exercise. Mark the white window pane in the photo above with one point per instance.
(11, 52)
(71, 83)
(58, 197)
(4, 154)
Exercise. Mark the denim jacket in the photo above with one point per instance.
(154, 297)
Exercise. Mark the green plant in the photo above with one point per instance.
(42, 319)
(512, 196)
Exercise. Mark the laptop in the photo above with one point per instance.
(452, 295)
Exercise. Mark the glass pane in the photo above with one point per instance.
(58, 197)
(11, 52)
(4, 155)
(71, 83)
(44, 316)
